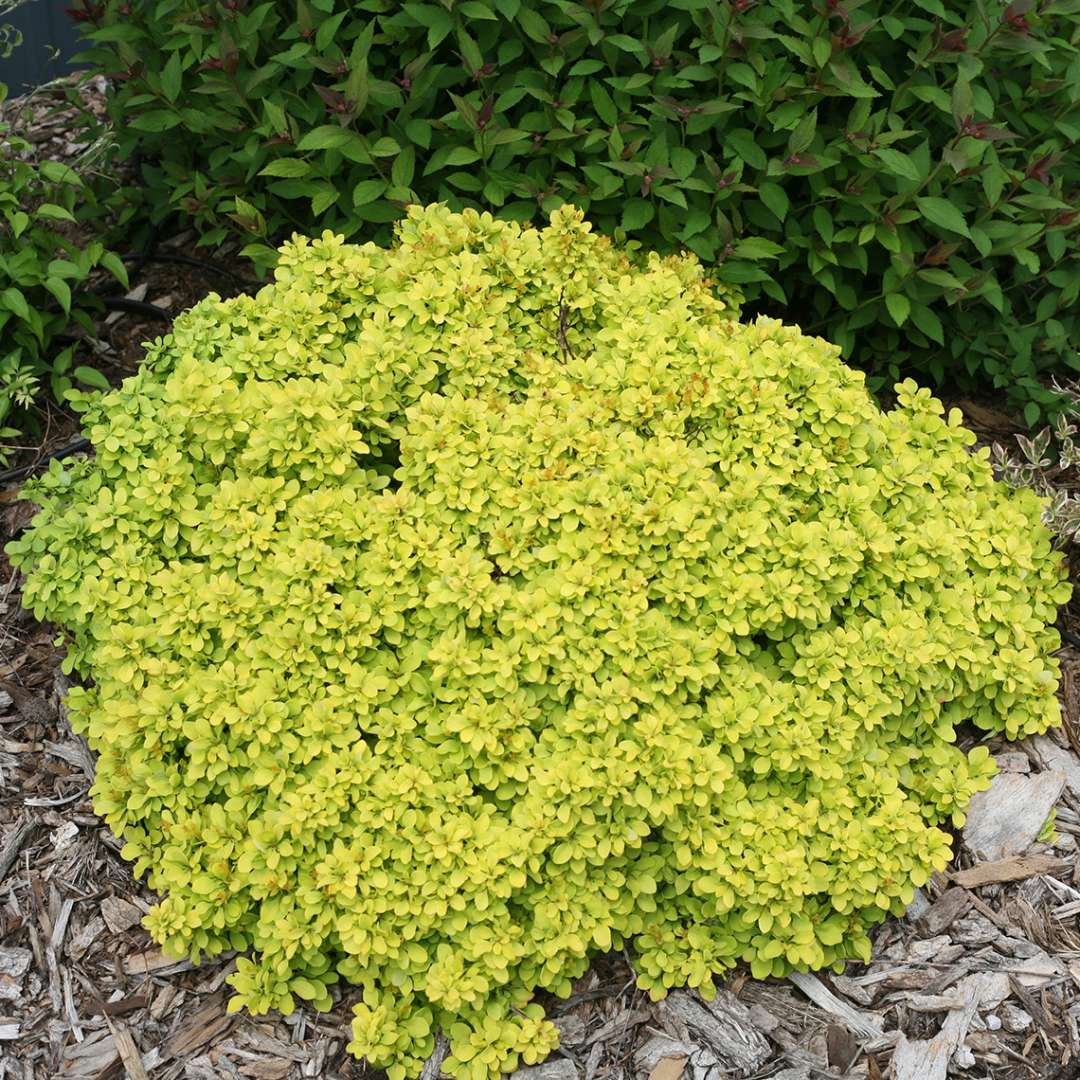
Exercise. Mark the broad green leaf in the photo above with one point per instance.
(924, 318)
(603, 103)
(823, 222)
(327, 137)
(683, 161)
(368, 191)
(172, 77)
(14, 301)
(741, 141)
(757, 247)
(323, 199)
(384, 147)
(803, 135)
(474, 9)
(156, 120)
(51, 210)
(898, 164)
(534, 24)
(775, 198)
(401, 173)
(943, 213)
(637, 213)
(61, 290)
(59, 173)
(115, 265)
(91, 377)
(899, 307)
(291, 167)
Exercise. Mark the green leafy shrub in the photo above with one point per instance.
(460, 610)
(900, 178)
(45, 263)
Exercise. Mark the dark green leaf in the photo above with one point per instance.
(367, 191)
(775, 198)
(899, 307)
(898, 164)
(91, 377)
(172, 77)
(943, 213)
(742, 143)
(756, 247)
(637, 213)
(293, 167)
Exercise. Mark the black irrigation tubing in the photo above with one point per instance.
(189, 260)
(1071, 638)
(65, 451)
(136, 307)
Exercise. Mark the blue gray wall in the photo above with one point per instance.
(44, 28)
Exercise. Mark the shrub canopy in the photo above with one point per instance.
(901, 177)
(460, 610)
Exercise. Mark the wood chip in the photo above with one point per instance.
(987, 418)
(165, 997)
(928, 1059)
(82, 939)
(620, 1024)
(841, 1047)
(851, 989)
(1006, 819)
(14, 843)
(76, 753)
(1053, 756)
(932, 1003)
(206, 1023)
(1014, 868)
(15, 962)
(121, 1007)
(1013, 761)
(128, 1051)
(1035, 971)
(669, 1068)
(153, 961)
(267, 1070)
(946, 910)
(120, 915)
(572, 1029)
(652, 1054)
(860, 1023)
(725, 1026)
(433, 1066)
(558, 1069)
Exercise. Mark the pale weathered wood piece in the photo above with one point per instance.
(725, 1027)
(1006, 819)
(1014, 868)
(859, 1023)
(1057, 758)
(928, 1059)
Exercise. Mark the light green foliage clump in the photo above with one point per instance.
(461, 610)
